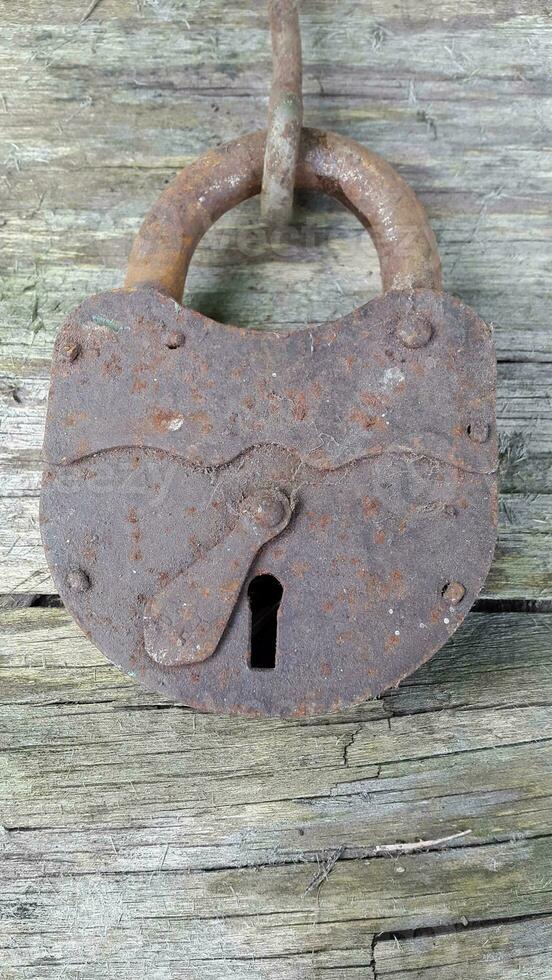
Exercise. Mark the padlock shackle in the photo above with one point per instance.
(329, 163)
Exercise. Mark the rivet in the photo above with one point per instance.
(479, 431)
(266, 509)
(415, 332)
(174, 339)
(269, 512)
(71, 351)
(77, 580)
(453, 593)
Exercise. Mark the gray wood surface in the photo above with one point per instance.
(141, 837)
(409, 836)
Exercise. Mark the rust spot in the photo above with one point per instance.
(316, 390)
(298, 400)
(196, 395)
(74, 418)
(318, 521)
(346, 637)
(370, 507)
(366, 421)
(112, 367)
(165, 420)
(136, 535)
(230, 587)
(373, 400)
(202, 420)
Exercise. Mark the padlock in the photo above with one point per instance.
(272, 523)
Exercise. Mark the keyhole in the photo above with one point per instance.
(264, 594)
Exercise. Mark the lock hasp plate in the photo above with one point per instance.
(379, 428)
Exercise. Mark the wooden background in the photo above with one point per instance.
(142, 840)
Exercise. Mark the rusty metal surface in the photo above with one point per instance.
(332, 394)
(328, 163)
(380, 428)
(285, 113)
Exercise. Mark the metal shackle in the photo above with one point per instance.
(329, 163)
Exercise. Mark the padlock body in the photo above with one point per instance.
(380, 427)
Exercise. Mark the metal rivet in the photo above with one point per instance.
(453, 593)
(71, 351)
(414, 332)
(479, 431)
(266, 509)
(77, 580)
(269, 512)
(174, 339)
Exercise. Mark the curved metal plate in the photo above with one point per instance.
(333, 393)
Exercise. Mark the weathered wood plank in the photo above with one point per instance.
(507, 950)
(139, 836)
(115, 918)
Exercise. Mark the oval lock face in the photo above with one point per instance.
(266, 523)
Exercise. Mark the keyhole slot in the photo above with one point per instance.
(264, 594)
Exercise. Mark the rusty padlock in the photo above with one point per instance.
(267, 522)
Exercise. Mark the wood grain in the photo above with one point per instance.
(136, 831)
(510, 950)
